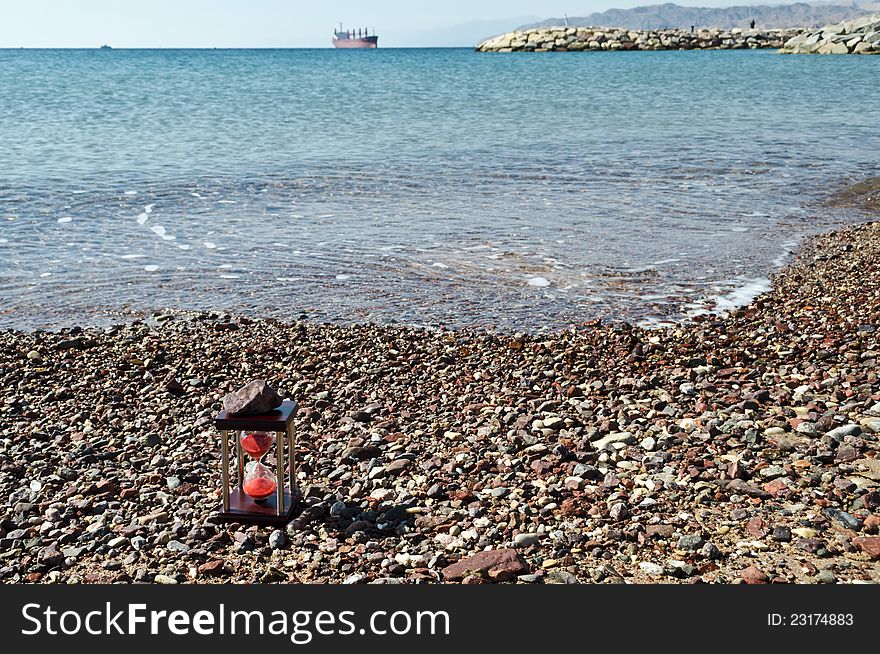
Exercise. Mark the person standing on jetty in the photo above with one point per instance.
(752, 24)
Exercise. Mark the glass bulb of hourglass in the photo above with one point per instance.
(259, 481)
(257, 443)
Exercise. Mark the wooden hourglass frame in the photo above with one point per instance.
(237, 505)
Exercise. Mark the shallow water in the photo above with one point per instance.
(421, 186)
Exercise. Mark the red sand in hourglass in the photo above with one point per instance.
(259, 488)
(257, 444)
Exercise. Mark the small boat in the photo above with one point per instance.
(105, 47)
(359, 38)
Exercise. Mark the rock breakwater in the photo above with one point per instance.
(566, 39)
(860, 36)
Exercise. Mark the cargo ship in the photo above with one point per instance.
(354, 39)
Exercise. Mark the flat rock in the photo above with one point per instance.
(165, 580)
(745, 488)
(661, 531)
(840, 433)
(397, 466)
(526, 540)
(870, 545)
(52, 557)
(754, 575)
(254, 398)
(499, 565)
(617, 437)
(213, 568)
(559, 577)
(757, 527)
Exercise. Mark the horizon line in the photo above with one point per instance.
(277, 47)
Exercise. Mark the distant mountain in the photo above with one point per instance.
(461, 35)
(672, 15)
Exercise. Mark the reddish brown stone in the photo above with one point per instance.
(870, 545)
(500, 565)
(571, 507)
(51, 556)
(254, 398)
(757, 527)
(104, 487)
(753, 575)
(846, 454)
(212, 568)
(776, 487)
(871, 500)
(872, 524)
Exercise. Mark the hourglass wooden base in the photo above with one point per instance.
(280, 507)
(248, 511)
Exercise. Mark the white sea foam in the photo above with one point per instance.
(65, 219)
(142, 218)
(184, 246)
(738, 297)
(226, 202)
(46, 274)
(210, 245)
(132, 256)
(538, 281)
(230, 276)
(151, 268)
(437, 264)
(787, 249)
(342, 278)
(131, 192)
(161, 231)
(149, 208)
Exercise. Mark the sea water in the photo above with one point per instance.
(422, 186)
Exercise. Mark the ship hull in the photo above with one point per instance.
(365, 43)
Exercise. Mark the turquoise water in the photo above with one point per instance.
(420, 186)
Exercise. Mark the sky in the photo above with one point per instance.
(279, 23)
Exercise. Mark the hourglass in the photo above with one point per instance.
(259, 481)
(261, 495)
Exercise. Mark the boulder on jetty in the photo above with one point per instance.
(566, 39)
(860, 36)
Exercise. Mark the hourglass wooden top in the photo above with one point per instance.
(277, 420)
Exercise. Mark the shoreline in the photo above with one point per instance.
(732, 448)
(853, 199)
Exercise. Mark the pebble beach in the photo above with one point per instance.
(736, 448)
